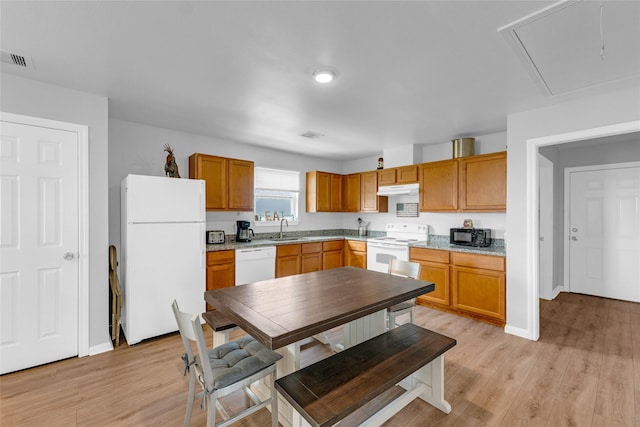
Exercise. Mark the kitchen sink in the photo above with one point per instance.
(284, 239)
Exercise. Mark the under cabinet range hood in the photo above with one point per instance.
(398, 190)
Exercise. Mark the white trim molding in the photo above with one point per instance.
(532, 232)
(82, 132)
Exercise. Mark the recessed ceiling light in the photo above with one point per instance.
(324, 76)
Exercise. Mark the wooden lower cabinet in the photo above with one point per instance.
(311, 258)
(288, 260)
(355, 253)
(332, 254)
(434, 268)
(307, 257)
(221, 270)
(472, 285)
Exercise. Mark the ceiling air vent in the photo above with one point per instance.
(311, 134)
(15, 59)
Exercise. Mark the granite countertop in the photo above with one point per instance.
(434, 243)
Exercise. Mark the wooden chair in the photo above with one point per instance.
(406, 269)
(225, 369)
(116, 295)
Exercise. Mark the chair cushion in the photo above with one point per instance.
(403, 305)
(239, 359)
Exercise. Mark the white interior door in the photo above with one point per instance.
(604, 231)
(39, 246)
(545, 213)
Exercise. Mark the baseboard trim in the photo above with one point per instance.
(100, 348)
(519, 332)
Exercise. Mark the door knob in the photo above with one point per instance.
(68, 256)
(574, 238)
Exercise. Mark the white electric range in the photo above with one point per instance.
(380, 251)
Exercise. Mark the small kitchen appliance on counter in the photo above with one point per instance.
(215, 237)
(243, 232)
(480, 237)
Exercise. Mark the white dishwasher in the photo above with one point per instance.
(255, 264)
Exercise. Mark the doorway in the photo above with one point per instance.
(604, 230)
(44, 270)
(533, 226)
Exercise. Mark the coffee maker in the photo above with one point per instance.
(243, 233)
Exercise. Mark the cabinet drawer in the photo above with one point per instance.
(333, 245)
(286, 250)
(355, 245)
(220, 257)
(487, 262)
(430, 255)
(310, 248)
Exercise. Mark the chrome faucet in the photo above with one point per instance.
(283, 219)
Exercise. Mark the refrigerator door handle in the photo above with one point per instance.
(203, 247)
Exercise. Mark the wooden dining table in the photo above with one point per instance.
(282, 312)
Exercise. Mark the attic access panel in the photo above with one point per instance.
(561, 44)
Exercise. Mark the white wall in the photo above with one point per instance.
(138, 149)
(31, 98)
(577, 114)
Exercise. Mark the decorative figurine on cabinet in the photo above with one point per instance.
(170, 165)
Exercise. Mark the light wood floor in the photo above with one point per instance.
(584, 371)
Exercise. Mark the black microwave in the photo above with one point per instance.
(470, 236)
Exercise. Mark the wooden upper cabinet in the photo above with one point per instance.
(407, 174)
(214, 172)
(369, 199)
(352, 192)
(240, 185)
(324, 192)
(387, 176)
(228, 182)
(483, 182)
(337, 193)
(439, 186)
(466, 184)
(399, 175)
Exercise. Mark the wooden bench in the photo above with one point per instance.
(221, 326)
(358, 385)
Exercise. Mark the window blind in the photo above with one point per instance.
(276, 179)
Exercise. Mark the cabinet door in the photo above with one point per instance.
(352, 192)
(439, 186)
(479, 291)
(387, 176)
(287, 260)
(369, 199)
(213, 170)
(240, 185)
(336, 193)
(439, 275)
(407, 175)
(332, 254)
(311, 258)
(355, 254)
(483, 182)
(220, 270)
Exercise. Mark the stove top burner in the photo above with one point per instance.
(403, 234)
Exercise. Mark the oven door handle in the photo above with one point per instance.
(384, 245)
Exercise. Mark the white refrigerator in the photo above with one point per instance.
(162, 252)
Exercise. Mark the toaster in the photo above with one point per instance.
(215, 237)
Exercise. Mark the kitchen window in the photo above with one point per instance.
(276, 195)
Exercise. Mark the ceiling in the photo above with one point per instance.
(419, 72)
